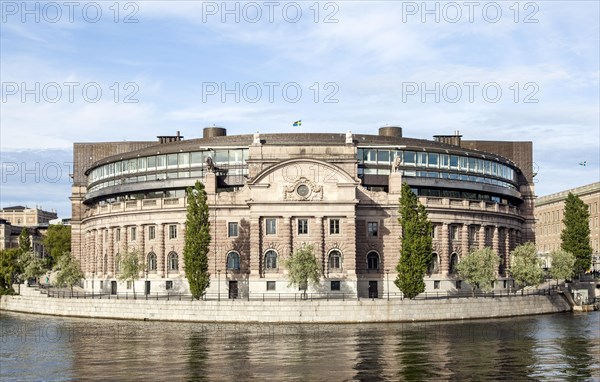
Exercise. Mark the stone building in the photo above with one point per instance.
(9, 236)
(549, 214)
(270, 194)
(27, 217)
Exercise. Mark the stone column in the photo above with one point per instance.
(141, 246)
(255, 250)
(160, 250)
(111, 253)
(507, 246)
(101, 270)
(96, 250)
(319, 250)
(495, 239)
(286, 231)
(465, 239)
(349, 258)
(86, 254)
(481, 237)
(445, 255)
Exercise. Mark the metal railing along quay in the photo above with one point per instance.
(258, 296)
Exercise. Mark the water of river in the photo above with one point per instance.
(553, 347)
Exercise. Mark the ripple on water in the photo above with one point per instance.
(549, 347)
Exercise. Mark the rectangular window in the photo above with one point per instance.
(370, 156)
(372, 228)
(169, 285)
(133, 233)
(458, 284)
(383, 156)
(302, 226)
(118, 234)
(335, 286)
(433, 159)
(334, 226)
(196, 157)
(183, 160)
(271, 285)
(433, 231)
(421, 159)
(409, 157)
(129, 284)
(173, 231)
(454, 161)
(161, 161)
(454, 232)
(436, 284)
(151, 232)
(271, 226)
(473, 234)
(232, 229)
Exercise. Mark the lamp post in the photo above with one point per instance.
(219, 284)
(387, 274)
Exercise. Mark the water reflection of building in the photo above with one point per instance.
(549, 214)
(269, 194)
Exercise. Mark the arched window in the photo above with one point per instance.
(173, 261)
(372, 260)
(453, 263)
(434, 264)
(233, 261)
(271, 259)
(151, 262)
(335, 260)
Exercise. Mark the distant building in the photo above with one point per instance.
(27, 217)
(270, 194)
(549, 213)
(9, 236)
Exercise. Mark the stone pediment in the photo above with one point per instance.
(303, 180)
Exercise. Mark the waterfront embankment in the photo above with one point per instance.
(287, 311)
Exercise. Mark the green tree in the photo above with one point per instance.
(31, 266)
(525, 265)
(415, 254)
(303, 268)
(69, 272)
(563, 265)
(478, 268)
(575, 236)
(57, 242)
(24, 240)
(8, 269)
(197, 240)
(129, 268)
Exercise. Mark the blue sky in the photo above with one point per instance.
(358, 65)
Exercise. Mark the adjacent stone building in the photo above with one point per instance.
(270, 194)
(27, 217)
(549, 214)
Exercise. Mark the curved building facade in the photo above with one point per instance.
(270, 194)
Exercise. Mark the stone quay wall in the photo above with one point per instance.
(316, 311)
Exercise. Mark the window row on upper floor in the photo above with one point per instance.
(185, 160)
(436, 160)
(165, 174)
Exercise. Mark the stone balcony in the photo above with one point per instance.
(467, 205)
(136, 205)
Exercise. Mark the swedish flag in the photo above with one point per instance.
(297, 123)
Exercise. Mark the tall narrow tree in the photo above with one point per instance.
(197, 240)
(415, 254)
(575, 236)
(24, 240)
